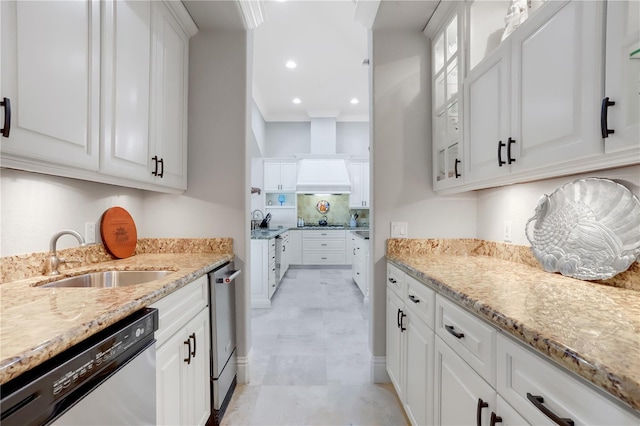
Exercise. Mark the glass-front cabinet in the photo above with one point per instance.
(447, 61)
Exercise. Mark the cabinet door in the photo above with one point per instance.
(271, 176)
(395, 342)
(487, 117)
(295, 247)
(418, 398)
(126, 78)
(288, 176)
(259, 273)
(169, 98)
(460, 393)
(557, 84)
(197, 405)
(169, 380)
(51, 75)
(622, 76)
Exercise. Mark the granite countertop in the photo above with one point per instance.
(38, 323)
(266, 234)
(589, 328)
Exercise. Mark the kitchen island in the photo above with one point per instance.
(587, 328)
(39, 323)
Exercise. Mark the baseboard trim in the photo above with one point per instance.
(379, 370)
(260, 304)
(244, 368)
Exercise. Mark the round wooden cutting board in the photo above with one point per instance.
(118, 232)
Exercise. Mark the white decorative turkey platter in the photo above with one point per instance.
(588, 229)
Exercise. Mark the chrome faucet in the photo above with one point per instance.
(54, 260)
(254, 214)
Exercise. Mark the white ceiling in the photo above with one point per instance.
(326, 42)
(328, 45)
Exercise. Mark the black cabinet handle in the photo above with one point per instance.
(161, 161)
(193, 336)
(538, 401)
(414, 299)
(455, 167)
(451, 330)
(402, 315)
(479, 407)
(510, 159)
(494, 419)
(354, 252)
(398, 317)
(155, 170)
(6, 103)
(604, 126)
(500, 146)
(391, 280)
(188, 343)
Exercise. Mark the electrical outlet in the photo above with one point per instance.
(399, 229)
(90, 232)
(507, 231)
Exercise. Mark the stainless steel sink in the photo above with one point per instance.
(109, 279)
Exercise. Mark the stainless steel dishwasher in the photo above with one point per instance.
(108, 379)
(222, 307)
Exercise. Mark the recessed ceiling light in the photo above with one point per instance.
(296, 100)
(291, 65)
(354, 101)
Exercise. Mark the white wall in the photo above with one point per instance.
(218, 194)
(35, 206)
(284, 139)
(257, 181)
(352, 138)
(401, 158)
(258, 127)
(517, 202)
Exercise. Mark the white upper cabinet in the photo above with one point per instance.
(102, 90)
(535, 86)
(280, 176)
(51, 76)
(447, 62)
(126, 84)
(622, 78)
(359, 196)
(170, 83)
(145, 90)
(530, 103)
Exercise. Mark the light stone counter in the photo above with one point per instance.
(589, 328)
(38, 323)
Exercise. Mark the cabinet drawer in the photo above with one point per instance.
(323, 244)
(323, 234)
(395, 280)
(318, 258)
(469, 336)
(421, 300)
(178, 308)
(522, 372)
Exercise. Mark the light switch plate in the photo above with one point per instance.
(507, 231)
(90, 232)
(399, 229)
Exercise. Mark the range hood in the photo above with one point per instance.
(322, 172)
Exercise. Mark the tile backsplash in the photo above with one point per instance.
(339, 212)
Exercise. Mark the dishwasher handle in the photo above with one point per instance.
(230, 276)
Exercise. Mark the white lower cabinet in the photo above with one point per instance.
(541, 392)
(360, 263)
(462, 397)
(263, 272)
(410, 347)
(323, 247)
(450, 367)
(295, 247)
(182, 357)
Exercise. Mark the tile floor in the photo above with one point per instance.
(311, 359)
